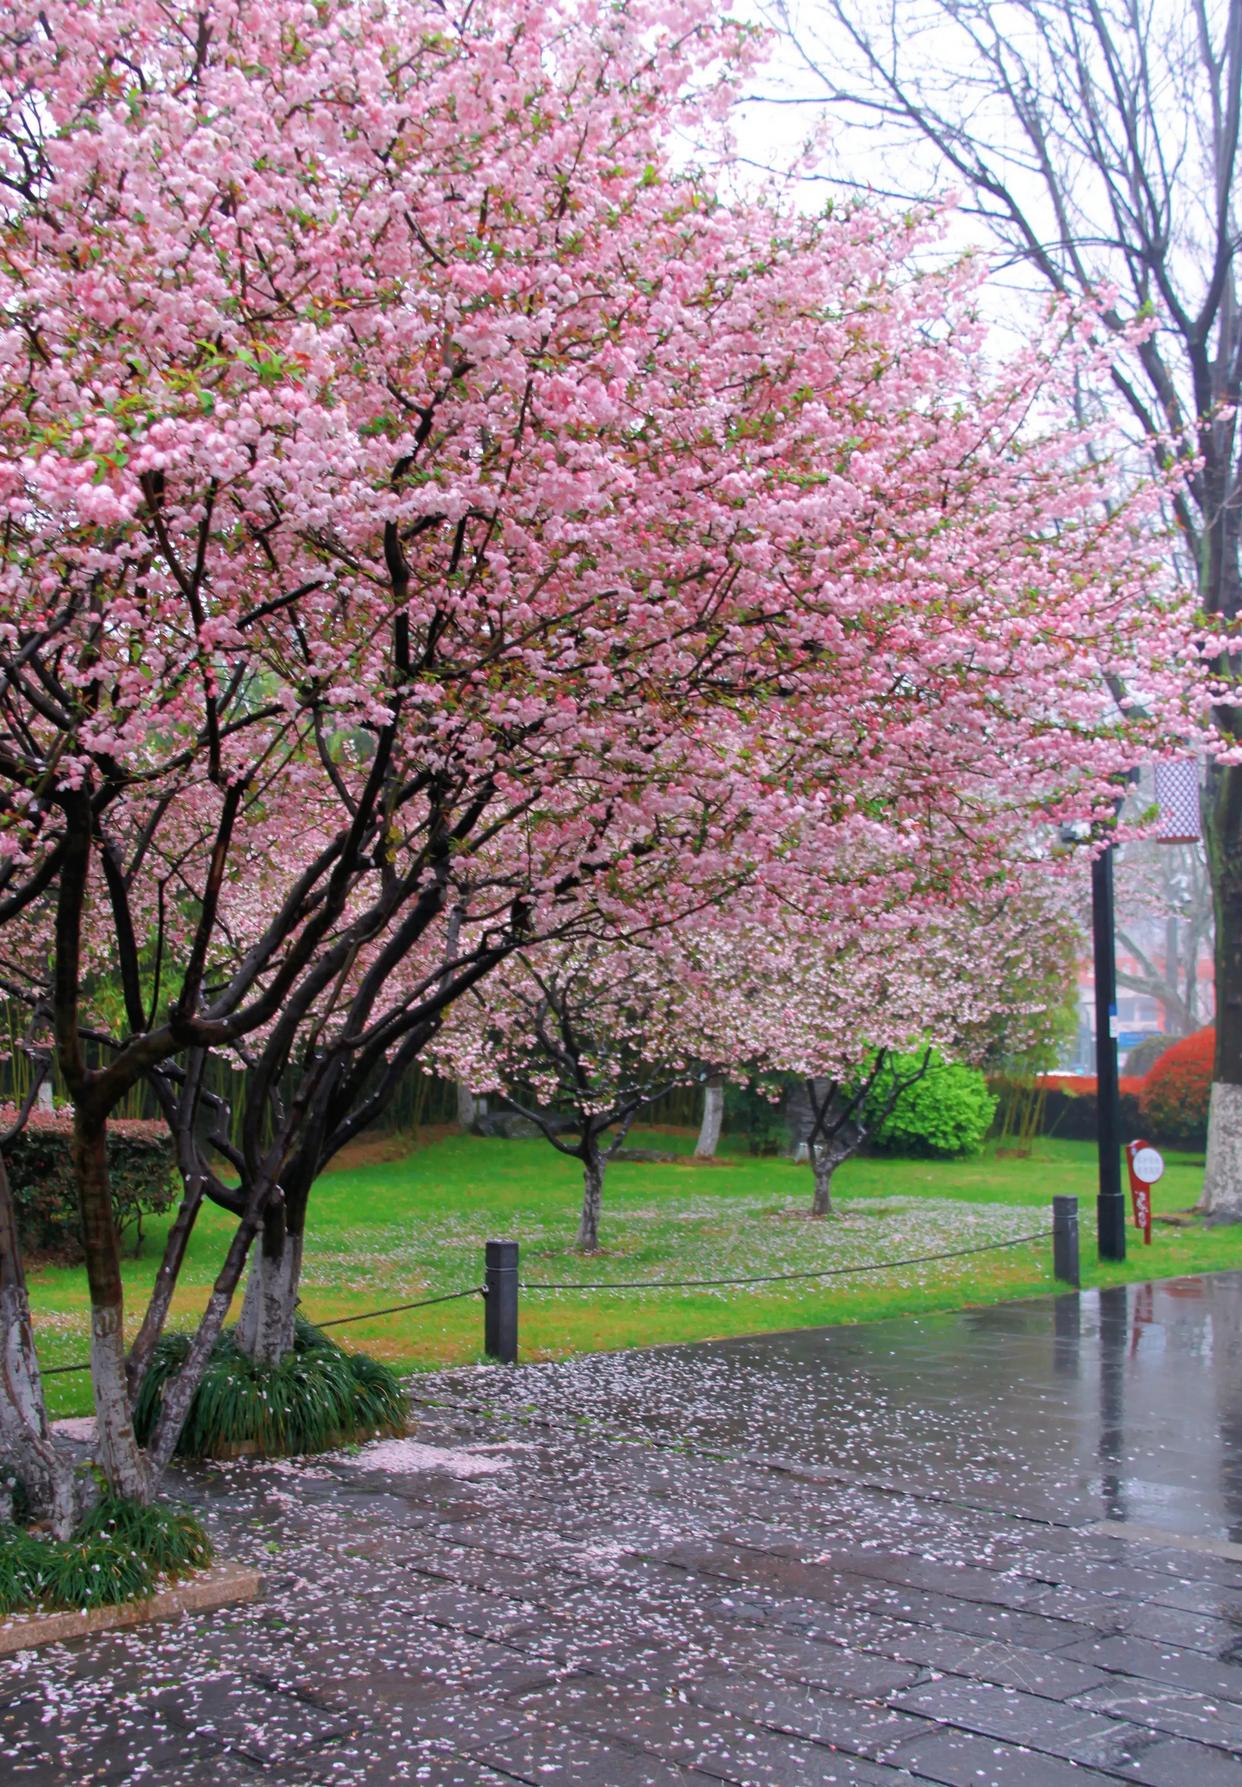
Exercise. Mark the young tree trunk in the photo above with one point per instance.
(592, 1198)
(824, 1164)
(265, 1327)
(713, 1116)
(27, 1449)
(179, 1394)
(117, 1452)
(467, 1106)
(1222, 1180)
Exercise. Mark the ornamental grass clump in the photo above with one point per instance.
(316, 1397)
(118, 1552)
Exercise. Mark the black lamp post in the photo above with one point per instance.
(1110, 1207)
(1177, 801)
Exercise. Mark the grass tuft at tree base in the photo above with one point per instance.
(118, 1553)
(317, 1397)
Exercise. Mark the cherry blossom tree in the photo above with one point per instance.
(423, 497)
(1097, 150)
(836, 1006)
(588, 1031)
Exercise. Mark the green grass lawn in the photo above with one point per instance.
(407, 1227)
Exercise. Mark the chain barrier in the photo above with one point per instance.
(652, 1284)
(338, 1321)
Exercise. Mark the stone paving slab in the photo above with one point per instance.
(859, 1558)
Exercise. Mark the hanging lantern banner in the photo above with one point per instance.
(1177, 796)
(1146, 1166)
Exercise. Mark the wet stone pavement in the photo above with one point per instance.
(1000, 1546)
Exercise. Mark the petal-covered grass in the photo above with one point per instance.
(401, 1228)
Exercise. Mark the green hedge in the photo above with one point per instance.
(1075, 1116)
(141, 1166)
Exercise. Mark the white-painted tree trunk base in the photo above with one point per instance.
(117, 1452)
(1222, 1181)
(265, 1327)
(713, 1116)
(19, 1363)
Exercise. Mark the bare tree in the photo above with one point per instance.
(1164, 923)
(1097, 142)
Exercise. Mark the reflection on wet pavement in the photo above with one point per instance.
(989, 1549)
(1122, 1404)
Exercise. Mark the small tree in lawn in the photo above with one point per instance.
(411, 519)
(586, 1030)
(860, 1013)
(843, 1112)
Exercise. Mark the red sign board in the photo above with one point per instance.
(1146, 1166)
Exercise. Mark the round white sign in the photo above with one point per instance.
(1148, 1166)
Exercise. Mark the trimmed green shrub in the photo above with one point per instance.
(117, 1553)
(1174, 1096)
(141, 1165)
(317, 1397)
(947, 1112)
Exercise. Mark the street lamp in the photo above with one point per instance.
(1177, 797)
(1110, 1204)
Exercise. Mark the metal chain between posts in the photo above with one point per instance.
(338, 1321)
(499, 1291)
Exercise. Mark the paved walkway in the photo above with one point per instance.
(995, 1547)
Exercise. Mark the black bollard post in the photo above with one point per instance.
(1110, 1205)
(1065, 1241)
(500, 1301)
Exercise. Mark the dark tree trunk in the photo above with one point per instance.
(1222, 1183)
(592, 1198)
(823, 1164)
(116, 1450)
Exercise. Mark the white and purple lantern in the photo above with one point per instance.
(1177, 796)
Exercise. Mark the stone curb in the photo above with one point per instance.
(219, 1586)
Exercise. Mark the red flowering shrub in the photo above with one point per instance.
(1174, 1098)
(1075, 1083)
